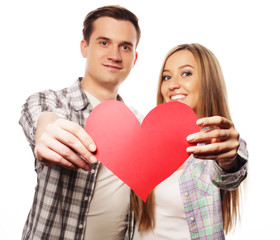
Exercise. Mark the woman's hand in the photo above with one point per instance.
(220, 142)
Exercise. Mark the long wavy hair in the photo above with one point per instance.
(212, 102)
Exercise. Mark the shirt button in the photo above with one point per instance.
(186, 194)
(85, 198)
(81, 226)
(192, 219)
(92, 170)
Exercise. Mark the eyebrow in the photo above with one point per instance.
(103, 38)
(127, 43)
(187, 65)
(122, 43)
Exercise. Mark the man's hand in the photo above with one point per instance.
(221, 142)
(62, 142)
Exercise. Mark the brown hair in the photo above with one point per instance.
(116, 12)
(212, 101)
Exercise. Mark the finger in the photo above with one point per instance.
(64, 155)
(50, 158)
(67, 153)
(218, 121)
(79, 132)
(211, 149)
(210, 136)
(74, 143)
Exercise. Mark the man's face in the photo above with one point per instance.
(111, 51)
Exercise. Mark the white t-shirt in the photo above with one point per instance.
(170, 220)
(107, 215)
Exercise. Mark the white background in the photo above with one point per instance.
(39, 49)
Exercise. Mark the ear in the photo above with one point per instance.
(136, 56)
(83, 46)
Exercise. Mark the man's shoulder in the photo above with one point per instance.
(64, 93)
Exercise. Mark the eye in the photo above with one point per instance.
(125, 47)
(185, 74)
(166, 77)
(104, 43)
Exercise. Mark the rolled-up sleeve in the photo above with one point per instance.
(37, 103)
(230, 181)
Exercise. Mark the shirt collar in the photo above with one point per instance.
(79, 99)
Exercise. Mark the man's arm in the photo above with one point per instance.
(54, 139)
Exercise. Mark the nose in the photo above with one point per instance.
(174, 83)
(114, 54)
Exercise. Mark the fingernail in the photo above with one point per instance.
(200, 122)
(190, 138)
(92, 159)
(191, 149)
(92, 147)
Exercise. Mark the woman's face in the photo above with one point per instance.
(180, 80)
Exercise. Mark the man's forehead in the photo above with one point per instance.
(114, 29)
(112, 23)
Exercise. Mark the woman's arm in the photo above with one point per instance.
(220, 142)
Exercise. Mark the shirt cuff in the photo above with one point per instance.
(229, 181)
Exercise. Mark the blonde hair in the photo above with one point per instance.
(212, 102)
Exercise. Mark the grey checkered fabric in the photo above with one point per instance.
(62, 195)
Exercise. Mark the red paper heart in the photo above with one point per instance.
(143, 155)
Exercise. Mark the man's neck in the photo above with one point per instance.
(101, 92)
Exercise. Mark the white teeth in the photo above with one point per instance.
(176, 97)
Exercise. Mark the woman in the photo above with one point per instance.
(201, 199)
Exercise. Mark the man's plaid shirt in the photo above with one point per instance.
(62, 195)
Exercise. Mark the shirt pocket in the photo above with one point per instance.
(201, 177)
(205, 196)
(205, 188)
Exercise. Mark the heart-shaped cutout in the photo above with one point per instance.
(143, 155)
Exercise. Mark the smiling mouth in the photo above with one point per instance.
(178, 97)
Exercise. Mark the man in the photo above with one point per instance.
(76, 197)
